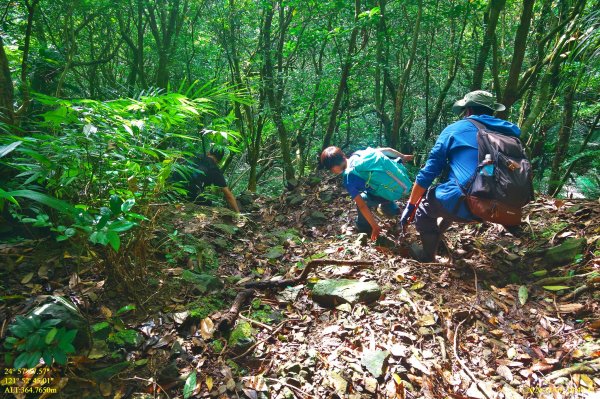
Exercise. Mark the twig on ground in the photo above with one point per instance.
(309, 267)
(591, 367)
(575, 292)
(464, 366)
(250, 349)
(256, 323)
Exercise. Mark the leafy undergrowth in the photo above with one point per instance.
(499, 316)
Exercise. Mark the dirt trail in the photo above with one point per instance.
(488, 321)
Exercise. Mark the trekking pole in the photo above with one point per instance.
(412, 216)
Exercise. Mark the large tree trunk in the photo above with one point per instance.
(491, 20)
(403, 84)
(331, 125)
(6, 89)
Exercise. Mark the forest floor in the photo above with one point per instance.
(502, 315)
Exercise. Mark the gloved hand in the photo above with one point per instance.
(407, 215)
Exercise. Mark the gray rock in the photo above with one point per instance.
(330, 293)
(294, 199)
(317, 218)
(375, 361)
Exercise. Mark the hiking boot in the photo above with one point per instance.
(425, 253)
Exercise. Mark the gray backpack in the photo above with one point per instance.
(498, 193)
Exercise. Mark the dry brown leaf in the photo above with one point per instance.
(27, 278)
(505, 373)
(106, 312)
(207, 328)
(570, 307)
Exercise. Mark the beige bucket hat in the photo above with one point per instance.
(477, 98)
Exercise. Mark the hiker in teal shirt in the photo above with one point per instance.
(366, 193)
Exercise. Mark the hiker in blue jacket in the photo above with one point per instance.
(455, 149)
(366, 191)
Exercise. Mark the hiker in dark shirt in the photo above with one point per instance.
(205, 172)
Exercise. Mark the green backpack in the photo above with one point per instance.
(385, 177)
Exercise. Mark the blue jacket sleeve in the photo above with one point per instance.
(438, 158)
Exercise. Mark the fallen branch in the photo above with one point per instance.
(277, 284)
(464, 366)
(575, 292)
(229, 318)
(591, 367)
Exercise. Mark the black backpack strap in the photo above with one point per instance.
(478, 125)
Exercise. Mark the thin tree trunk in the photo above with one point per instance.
(564, 136)
(520, 45)
(6, 89)
(582, 148)
(275, 100)
(331, 125)
(403, 84)
(492, 14)
(24, 62)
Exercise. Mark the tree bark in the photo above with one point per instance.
(491, 19)
(331, 125)
(24, 62)
(403, 84)
(564, 136)
(274, 98)
(520, 45)
(6, 89)
(582, 148)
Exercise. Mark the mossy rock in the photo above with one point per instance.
(565, 252)
(204, 306)
(330, 293)
(287, 234)
(207, 257)
(227, 229)
(241, 337)
(203, 282)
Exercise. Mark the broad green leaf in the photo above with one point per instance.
(21, 360)
(114, 240)
(556, 287)
(50, 336)
(7, 149)
(121, 226)
(125, 309)
(127, 205)
(540, 273)
(34, 359)
(523, 295)
(100, 326)
(190, 385)
(115, 204)
(43, 199)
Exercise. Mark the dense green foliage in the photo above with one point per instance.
(98, 103)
